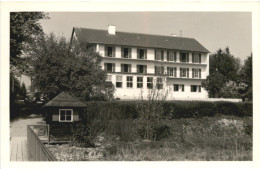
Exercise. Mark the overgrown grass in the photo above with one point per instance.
(219, 138)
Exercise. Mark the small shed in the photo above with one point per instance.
(62, 113)
(63, 108)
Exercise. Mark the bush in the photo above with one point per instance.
(189, 109)
(246, 108)
(83, 136)
(229, 108)
(161, 132)
(123, 129)
(105, 111)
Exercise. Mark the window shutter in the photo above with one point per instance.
(106, 51)
(113, 67)
(138, 53)
(199, 58)
(168, 71)
(162, 56)
(162, 69)
(145, 53)
(122, 52)
(129, 68)
(193, 58)
(168, 56)
(145, 68)
(113, 51)
(183, 88)
(175, 72)
(55, 117)
(105, 66)
(122, 67)
(199, 73)
(187, 56)
(180, 72)
(130, 52)
(192, 73)
(175, 57)
(188, 72)
(199, 88)
(75, 117)
(138, 68)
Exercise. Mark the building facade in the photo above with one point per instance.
(135, 63)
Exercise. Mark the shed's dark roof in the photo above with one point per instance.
(64, 100)
(138, 40)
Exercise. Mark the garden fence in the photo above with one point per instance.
(37, 150)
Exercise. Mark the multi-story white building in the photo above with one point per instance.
(135, 62)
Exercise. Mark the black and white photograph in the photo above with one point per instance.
(130, 86)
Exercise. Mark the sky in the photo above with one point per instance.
(214, 30)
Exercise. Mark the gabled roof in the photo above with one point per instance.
(64, 100)
(138, 40)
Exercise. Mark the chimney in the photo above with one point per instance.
(111, 29)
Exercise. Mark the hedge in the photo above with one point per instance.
(171, 109)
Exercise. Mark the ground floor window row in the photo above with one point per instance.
(181, 88)
(142, 69)
(150, 83)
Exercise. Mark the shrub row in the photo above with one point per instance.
(172, 109)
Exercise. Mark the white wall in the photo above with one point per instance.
(134, 93)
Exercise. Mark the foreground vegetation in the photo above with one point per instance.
(208, 138)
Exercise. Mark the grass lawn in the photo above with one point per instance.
(218, 138)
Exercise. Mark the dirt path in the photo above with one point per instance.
(18, 128)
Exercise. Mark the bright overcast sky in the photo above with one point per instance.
(213, 30)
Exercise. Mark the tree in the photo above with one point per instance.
(246, 78)
(24, 28)
(225, 63)
(224, 68)
(213, 84)
(151, 110)
(57, 69)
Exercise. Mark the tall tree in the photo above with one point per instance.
(224, 68)
(225, 63)
(56, 68)
(24, 28)
(247, 78)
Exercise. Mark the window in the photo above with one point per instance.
(184, 57)
(195, 88)
(65, 115)
(175, 87)
(149, 82)
(129, 81)
(109, 51)
(109, 67)
(139, 82)
(159, 83)
(196, 73)
(109, 78)
(159, 55)
(141, 69)
(126, 68)
(184, 72)
(125, 52)
(159, 70)
(196, 58)
(141, 53)
(172, 71)
(119, 82)
(178, 87)
(171, 56)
